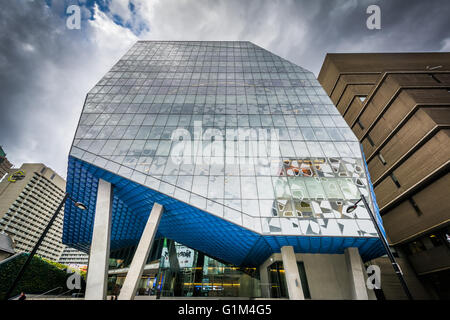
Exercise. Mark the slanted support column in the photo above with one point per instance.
(292, 275)
(140, 257)
(97, 276)
(356, 274)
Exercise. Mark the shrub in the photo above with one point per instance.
(39, 277)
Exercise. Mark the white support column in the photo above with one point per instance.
(97, 275)
(356, 274)
(140, 257)
(293, 282)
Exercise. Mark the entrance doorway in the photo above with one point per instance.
(278, 287)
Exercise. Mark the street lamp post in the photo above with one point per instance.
(395, 265)
(38, 243)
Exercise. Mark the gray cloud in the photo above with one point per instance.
(46, 69)
(45, 73)
(304, 31)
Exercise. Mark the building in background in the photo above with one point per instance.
(253, 164)
(5, 165)
(73, 256)
(398, 106)
(28, 198)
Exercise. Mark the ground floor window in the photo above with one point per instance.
(184, 272)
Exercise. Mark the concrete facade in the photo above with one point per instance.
(27, 205)
(356, 274)
(5, 165)
(392, 289)
(398, 106)
(329, 276)
(73, 256)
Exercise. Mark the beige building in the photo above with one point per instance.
(398, 106)
(73, 256)
(5, 165)
(28, 198)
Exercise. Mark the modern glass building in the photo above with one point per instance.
(245, 152)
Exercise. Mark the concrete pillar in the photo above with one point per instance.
(356, 272)
(264, 281)
(97, 275)
(291, 273)
(140, 257)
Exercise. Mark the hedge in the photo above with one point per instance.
(39, 277)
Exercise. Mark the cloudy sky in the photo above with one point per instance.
(46, 69)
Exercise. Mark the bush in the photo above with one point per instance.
(39, 277)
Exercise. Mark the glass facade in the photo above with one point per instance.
(173, 269)
(227, 134)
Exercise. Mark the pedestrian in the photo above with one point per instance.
(116, 292)
(22, 296)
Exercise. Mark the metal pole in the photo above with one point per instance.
(388, 250)
(36, 246)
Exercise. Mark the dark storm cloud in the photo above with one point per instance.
(30, 48)
(406, 26)
(46, 69)
(304, 31)
(45, 73)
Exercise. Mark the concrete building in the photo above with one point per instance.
(398, 106)
(5, 165)
(227, 166)
(28, 198)
(73, 256)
